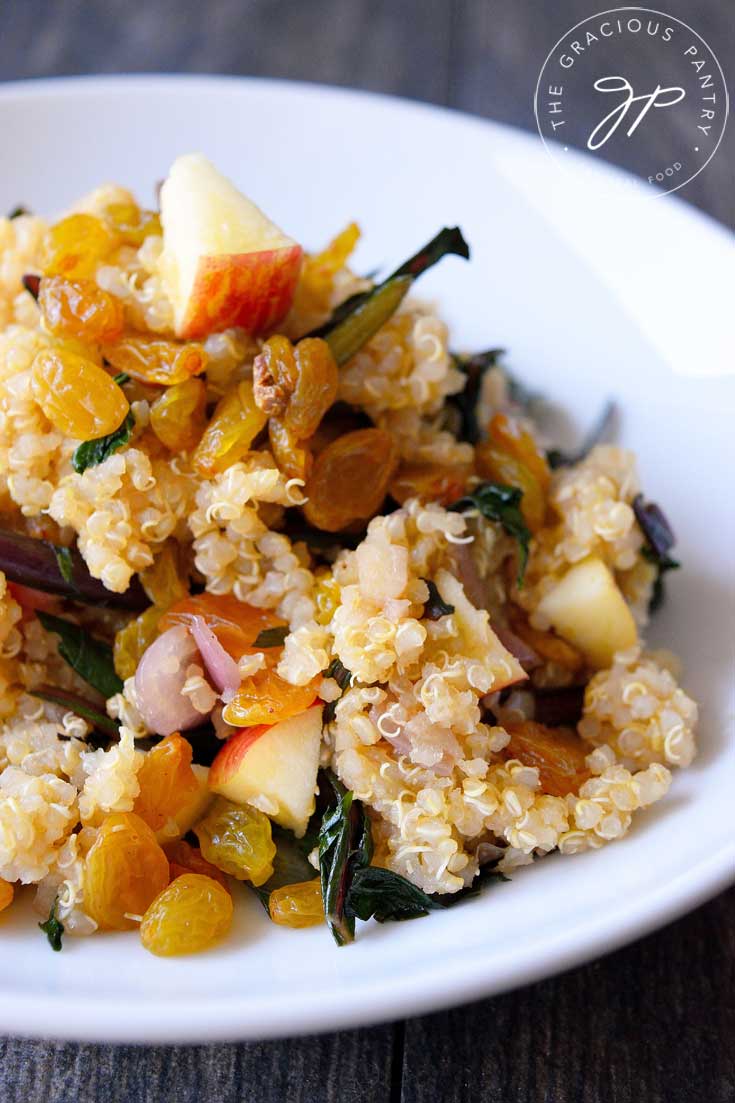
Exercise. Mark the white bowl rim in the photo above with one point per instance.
(167, 1019)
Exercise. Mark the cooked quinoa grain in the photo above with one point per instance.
(407, 653)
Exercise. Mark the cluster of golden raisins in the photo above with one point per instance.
(347, 474)
(78, 394)
(178, 893)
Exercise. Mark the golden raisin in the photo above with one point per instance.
(274, 375)
(509, 435)
(237, 839)
(131, 224)
(164, 582)
(434, 482)
(293, 459)
(350, 479)
(164, 586)
(167, 784)
(297, 905)
(235, 424)
(133, 640)
(76, 395)
(558, 754)
(315, 388)
(6, 894)
(314, 289)
(155, 360)
(185, 858)
(124, 871)
(265, 698)
(295, 387)
(502, 467)
(235, 624)
(326, 596)
(79, 308)
(189, 915)
(178, 416)
(75, 246)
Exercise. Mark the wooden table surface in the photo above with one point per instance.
(653, 1022)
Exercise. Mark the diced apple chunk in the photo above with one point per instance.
(476, 638)
(278, 763)
(224, 263)
(587, 608)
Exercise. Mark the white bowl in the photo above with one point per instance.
(593, 296)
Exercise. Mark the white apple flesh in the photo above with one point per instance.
(273, 766)
(587, 608)
(224, 263)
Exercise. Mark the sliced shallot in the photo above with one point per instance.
(159, 679)
(526, 656)
(220, 666)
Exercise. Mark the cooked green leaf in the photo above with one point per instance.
(660, 540)
(76, 704)
(121, 378)
(497, 502)
(18, 211)
(366, 318)
(381, 894)
(465, 403)
(90, 658)
(436, 606)
(53, 928)
(38, 564)
(339, 672)
(354, 889)
(600, 432)
(342, 677)
(447, 241)
(64, 560)
(272, 637)
(92, 452)
(354, 322)
(663, 564)
(655, 526)
(345, 844)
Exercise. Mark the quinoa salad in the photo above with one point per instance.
(297, 598)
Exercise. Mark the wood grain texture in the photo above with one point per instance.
(653, 1023)
(354, 1067)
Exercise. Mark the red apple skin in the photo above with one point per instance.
(251, 290)
(233, 751)
(228, 759)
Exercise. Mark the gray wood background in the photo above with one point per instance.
(653, 1023)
